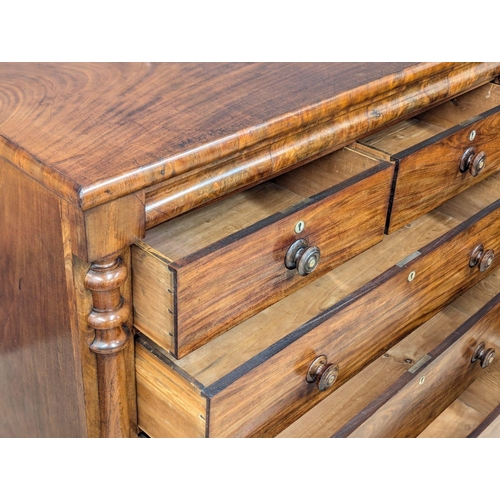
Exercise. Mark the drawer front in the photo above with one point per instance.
(419, 396)
(268, 392)
(219, 286)
(429, 174)
(439, 159)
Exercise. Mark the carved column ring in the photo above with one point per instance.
(106, 277)
(104, 320)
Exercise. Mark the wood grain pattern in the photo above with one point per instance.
(41, 386)
(408, 406)
(427, 171)
(353, 336)
(489, 427)
(169, 405)
(340, 407)
(283, 153)
(226, 282)
(470, 409)
(110, 312)
(266, 393)
(235, 347)
(97, 132)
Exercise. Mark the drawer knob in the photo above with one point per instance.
(302, 257)
(486, 356)
(472, 162)
(477, 164)
(323, 373)
(484, 258)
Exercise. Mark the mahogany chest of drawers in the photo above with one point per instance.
(249, 250)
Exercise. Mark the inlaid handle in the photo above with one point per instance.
(472, 162)
(302, 257)
(486, 356)
(483, 258)
(323, 373)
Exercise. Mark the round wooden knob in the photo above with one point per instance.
(486, 260)
(477, 164)
(302, 257)
(486, 356)
(323, 373)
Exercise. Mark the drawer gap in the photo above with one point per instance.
(360, 397)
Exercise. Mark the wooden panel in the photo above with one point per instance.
(428, 171)
(351, 334)
(169, 406)
(112, 227)
(470, 409)
(189, 233)
(153, 293)
(489, 427)
(223, 283)
(41, 387)
(334, 412)
(418, 397)
(107, 130)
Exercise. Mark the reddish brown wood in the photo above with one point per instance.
(41, 382)
(110, 312)
(96, 132)
(428, 172)
(418, 397)
(234, 278)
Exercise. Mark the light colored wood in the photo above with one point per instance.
(331, 414)
(191, 232)
(462, 108)
(492, 431)
(263, 396)
(168, 404)
(473, 199)
(230, 264)
(399, 137)
(153, 295)
(428, 156)
(325, 172)
(470, 409)
(225, 353)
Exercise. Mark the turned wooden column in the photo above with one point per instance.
(109, 314)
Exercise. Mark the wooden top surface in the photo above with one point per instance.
(99, 130)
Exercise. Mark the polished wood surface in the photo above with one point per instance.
(96, 132)
(109, 314)
(350, 401)
(254, 375)
(93, 154)
(41, 386)
(419, 396)
(427, 151)
(278, 155)
(470, 409)
(224, 282)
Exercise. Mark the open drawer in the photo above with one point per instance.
(261, 375)
(413, 388)
(200, 274)
(439, 153)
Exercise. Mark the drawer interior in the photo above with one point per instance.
(353, 398)
(201, 228)
(467, 413)
(408, 133)
(216, 359)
